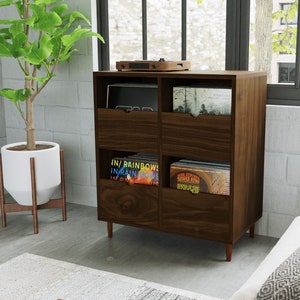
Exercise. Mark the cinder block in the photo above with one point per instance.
(85, 95)
(261, 227)
(293, 170)
(281, 198)
(278, 224)
(2, 120)
(293, 137)
(275, 167)
(87, 125)
(81, 68)
(70, 143)
(84, 195)
(67, 120)
(276, 136)
(60, 93)
(3, 141)
(77, 172)
(87, 145)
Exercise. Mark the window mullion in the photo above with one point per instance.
(103, 28)
(144, 29)
(237, 34)
(297, 67)
(183, 29)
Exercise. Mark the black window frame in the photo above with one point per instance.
(237, 45)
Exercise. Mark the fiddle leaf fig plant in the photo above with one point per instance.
(42, 36)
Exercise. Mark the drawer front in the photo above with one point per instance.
(128, 204)
(206, 137)
(127, 131)
(203, 215)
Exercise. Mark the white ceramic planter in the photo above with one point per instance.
(16, 172)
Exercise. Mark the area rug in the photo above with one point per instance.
(31, 277)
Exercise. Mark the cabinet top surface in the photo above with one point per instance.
(194, 73)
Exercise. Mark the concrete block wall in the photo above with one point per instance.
(282, 170)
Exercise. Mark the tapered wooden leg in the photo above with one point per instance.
(251, 231)
(2, 200)
(62, 186)
(228, 252)
(34, 196)
(109, 229)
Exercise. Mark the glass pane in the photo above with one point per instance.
(164, 29)
(125, 31)
(206, 33)
(273, 39)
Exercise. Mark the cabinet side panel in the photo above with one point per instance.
(248, 159)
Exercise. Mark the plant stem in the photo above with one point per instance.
(28, 86)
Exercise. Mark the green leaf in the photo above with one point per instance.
(15, 95)
(43, 20)
(16, 28)
(38, 54)
(60, 9)
(76, 15)
(46, 2)
(18, 44)
(5, 2)
(69, 40)
(4, 32)
(5, 48)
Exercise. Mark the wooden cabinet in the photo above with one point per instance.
(236, 139)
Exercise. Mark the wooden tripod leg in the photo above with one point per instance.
(2, 200)
(34, 196)
(62, 186)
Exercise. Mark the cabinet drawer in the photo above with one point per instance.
(127, 131)
(205, 136)
(203, 215)
(128, 204)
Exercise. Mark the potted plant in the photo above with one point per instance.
(40, 38)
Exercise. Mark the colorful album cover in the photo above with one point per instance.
(197, 177)
(134, 170)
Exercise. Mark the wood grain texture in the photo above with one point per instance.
(237, 139)
(128, 204)
(207, 137)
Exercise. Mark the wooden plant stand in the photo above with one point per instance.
(52, 203)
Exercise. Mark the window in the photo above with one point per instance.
(212, 34)
(287, 73)
(205, 29)
(289, 16)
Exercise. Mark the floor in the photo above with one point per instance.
(168, 259)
